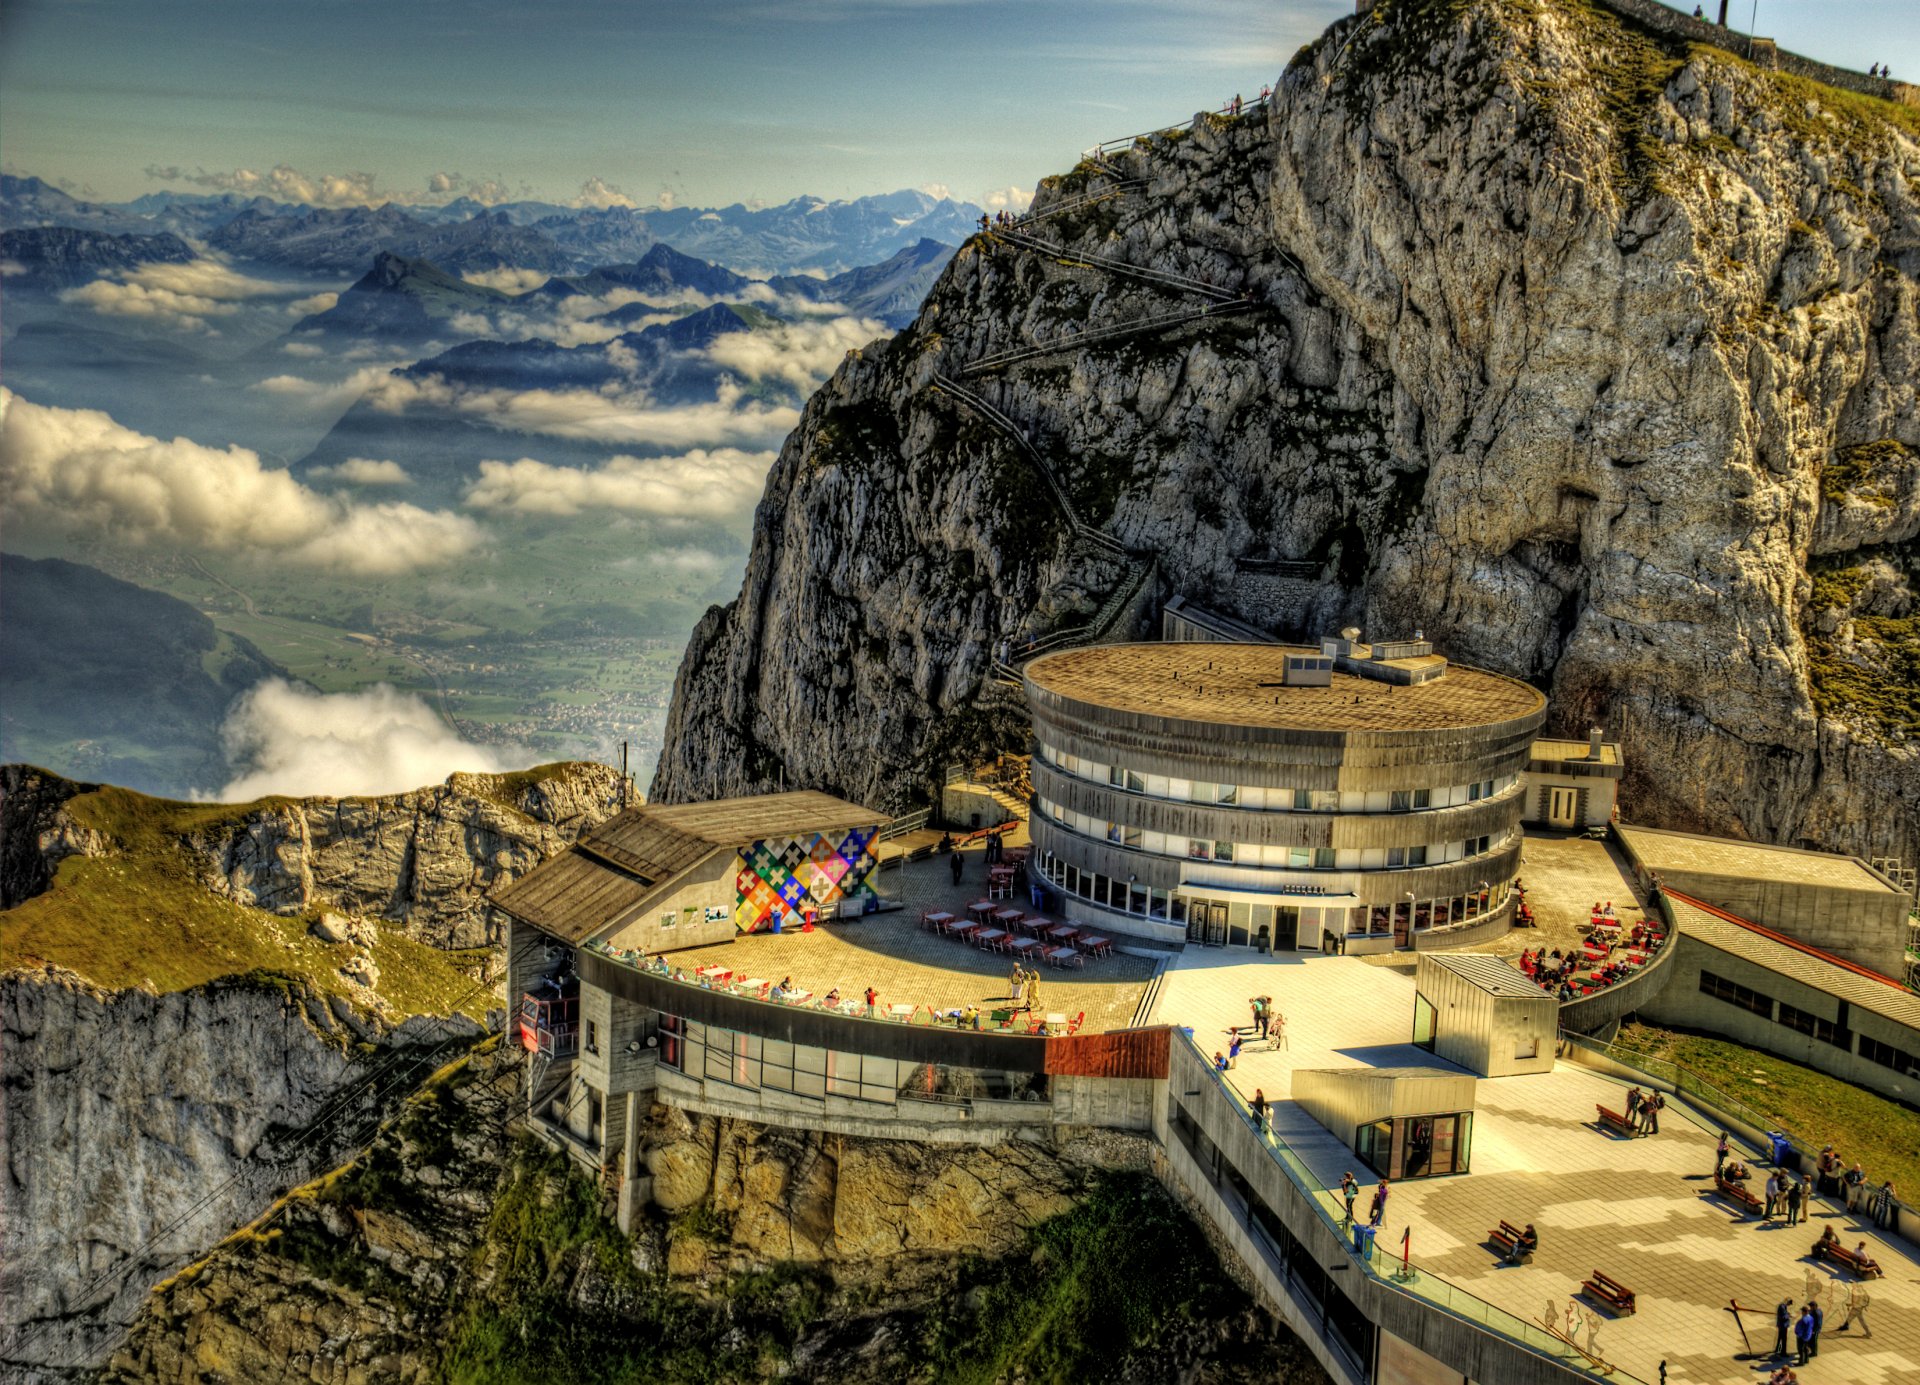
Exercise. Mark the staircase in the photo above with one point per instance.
(1165, 278)
(1100, 336)
(1085, 200)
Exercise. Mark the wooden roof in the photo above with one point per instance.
(612, 870)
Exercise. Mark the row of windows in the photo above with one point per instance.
(1827, 1031)
(1273, 800)
(1256, 854)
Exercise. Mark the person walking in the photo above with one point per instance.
(1349, 1189)
(1796, 1190)
(1803, 1336)
(1379, 1207)
(1853, 1180)
(1278, 1029)
(1857, 1300)
(1259, 1108)
(1233, 1050)
(956, 865)
(1782, 1326)
(1720, 1154)
(1259, 1007)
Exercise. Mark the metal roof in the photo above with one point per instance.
(1664, 852)
(1495, 975)
(613, 869)
(1797, 961)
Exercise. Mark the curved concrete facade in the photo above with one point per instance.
(1201, 799)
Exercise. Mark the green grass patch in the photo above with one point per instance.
(1866, 471)
(143, 917)
(1880, 1133)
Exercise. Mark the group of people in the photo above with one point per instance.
(1236, 106)
(1880, 70)
(1269, 1025)
(1786, 1194)
(1000, 218)
(1643, 1111)
(1350, 1192)
(1555, 972)
(1803, 1334)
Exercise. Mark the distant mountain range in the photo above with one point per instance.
(808, 233)
(57, 257)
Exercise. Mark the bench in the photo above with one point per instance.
(1613, 1120)
(1846, 1259)
(1735, 1191)
(1609, 1291)
(1506, 1236)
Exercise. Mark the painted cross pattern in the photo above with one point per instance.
(780, 876)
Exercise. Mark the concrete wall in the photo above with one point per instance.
(1680, 1002)
(1867, 926)
(1591, 1013)
(707, 885)
(960, 802)
(1593, 807)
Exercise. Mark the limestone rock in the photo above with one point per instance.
(1553, 378)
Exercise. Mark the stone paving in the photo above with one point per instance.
(1633, 1208)
(911, 966)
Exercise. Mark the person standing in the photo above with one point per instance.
(1773, 1195)
(1819, 1321)
(1279, 1030)
(1379, 1208)
(1633, 1108)
(1349, 1189)
(1795, 1191)
(1853, 1180)
(1884, 1212)
(955, 864)
(1233, 1050)
(872, 996)
(1259, 1007)
(1803, 1336)
(1782, 1326)
(1259, 1108)
(1650, 1110)
(1720, 1154)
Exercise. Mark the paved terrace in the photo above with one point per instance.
(1633, 1208)
(909, 966)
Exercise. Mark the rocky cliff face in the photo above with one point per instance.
(424, 859)
(1578, 348)
(451, 1251)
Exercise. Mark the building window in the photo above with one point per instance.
(1130, 836)
(1198, 850)
(1223, 851)
(593, 1037)
(1229, 793)
(1136, 783)
(1423, 798)
(1396, 856)
(1887, 1056)
(1300, 857)
(1400, 801)
(1824, 1030)
(1302, 801)
(1735, 994)
(1323, 858)
(1205, 792)
(1113, 831)
(1116, 776)
(1416, 855)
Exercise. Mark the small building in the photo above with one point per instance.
(1402, 1122)
(1483, 1013)
(1572, 784)
(1839, 904)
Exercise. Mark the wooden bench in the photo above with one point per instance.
(1609, 1291)
(1613, 1120)
(1735, 1191)
(1846, 1259)
(1506, 1236)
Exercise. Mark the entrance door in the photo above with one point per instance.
(1286, 928)
(1562, 807)
(1214, 931)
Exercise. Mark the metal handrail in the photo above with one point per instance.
(1163, 277)
(1100, 336)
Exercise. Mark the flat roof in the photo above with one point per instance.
(1494, 975)
(738, 821)
(1545, 749)
(1859, 986)
(1239, 685)
(1664, 852)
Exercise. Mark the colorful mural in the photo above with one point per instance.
(779, 878)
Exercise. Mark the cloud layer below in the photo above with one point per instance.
(282, 739)
(76, 471)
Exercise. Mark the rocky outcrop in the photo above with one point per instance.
(36, 832)
(140, 1127)
(1562, 322)
(424, 859)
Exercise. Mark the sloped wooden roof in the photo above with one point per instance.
(612, 870)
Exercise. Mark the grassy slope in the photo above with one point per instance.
(1881, 1134)
(142, 917)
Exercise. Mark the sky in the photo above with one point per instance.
(658, 101)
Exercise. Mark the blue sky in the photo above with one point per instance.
(712, 102)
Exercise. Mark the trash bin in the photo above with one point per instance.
(1363, 1239)
(1782, 1147)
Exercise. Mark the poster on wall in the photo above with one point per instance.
(782, 877)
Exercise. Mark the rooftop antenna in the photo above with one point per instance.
(625, 778)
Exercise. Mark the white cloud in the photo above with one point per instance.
(507, 280)
(315, 303)
(76, 471)
(611, 417)
(798, 354)
(305, 350)
(1010, 199)
(363, 471)
(599, 194)
(280, 739)
(700, 484)
(181, 295)
(283, 182)
(320, 395)
(938, 190)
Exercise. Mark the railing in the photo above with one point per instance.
(1085, 199)
(1422, 1284)
(1101, 335)
(993, 415)
(910, 822)
(1163, 277)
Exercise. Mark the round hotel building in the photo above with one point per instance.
(1351, 797)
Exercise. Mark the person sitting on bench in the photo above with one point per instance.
(1528, 1242)
(1864, 1262)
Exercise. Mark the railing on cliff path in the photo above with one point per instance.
(1378, 1264)
(1165, 278)
(1000, 360)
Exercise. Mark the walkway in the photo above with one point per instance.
(1162, 277)
(1000, 360)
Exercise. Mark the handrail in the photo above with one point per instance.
(1426, 1286)
(1013, 430)
(1164, 278)
(1101, 335)
(907, 822)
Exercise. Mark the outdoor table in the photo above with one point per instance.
(1059, 956)
(1023, 946)
(1009, 917)
(989, 937)
(939, 921)
(983, 909)
(902, 1012)
(1036, 924)
(715, 973)
(754, 985)
(799, 997)
(1056, 1019)
(1096, 945)
(1065, 933)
